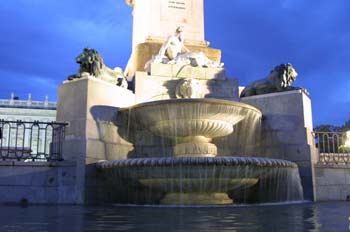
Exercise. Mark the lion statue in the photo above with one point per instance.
(91, 64)
(280, 79)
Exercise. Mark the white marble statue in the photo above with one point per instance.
(171, 53)
(173, 45)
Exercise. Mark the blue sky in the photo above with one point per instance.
(40, 39)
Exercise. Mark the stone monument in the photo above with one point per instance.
(159, 125)
(155, 20)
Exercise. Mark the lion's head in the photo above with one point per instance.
(188, 88)
(283, 75)
(90, 61)
(280, 79)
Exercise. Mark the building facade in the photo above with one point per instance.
(14, 109)
(25, 127)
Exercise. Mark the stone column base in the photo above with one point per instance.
(195, 150)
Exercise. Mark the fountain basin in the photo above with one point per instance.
(191, 123)
(192, 180)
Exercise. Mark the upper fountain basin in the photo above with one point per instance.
(193, 117)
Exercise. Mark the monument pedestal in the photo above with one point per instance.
(164, 78)
(90, 107)
(287, 132)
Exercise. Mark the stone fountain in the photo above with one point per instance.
(193, 174)
(183, 136)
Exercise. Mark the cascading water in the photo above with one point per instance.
(176, 163)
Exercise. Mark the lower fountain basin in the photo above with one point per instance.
(192, 180)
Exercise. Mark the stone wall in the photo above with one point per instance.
(91, 106)
(37, 182)
(162, 80)
(287, 132)
(332, 183)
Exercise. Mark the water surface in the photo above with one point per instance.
(333, 216)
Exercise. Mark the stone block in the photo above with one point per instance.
(27, 176)
(66, 176)
(151, 88)
(225, 89)
(153, 151)
(328, 193)
(282, 122)
(332, 183)
(76, 129)
(66, 194)
(162, 70)
(108, 132)
(33, 194)
(93, 159)
(305, 169)
(104, 113)
(347, 175)
(118, 151)
(215, 73)
(85, 101)
(330, 176)
(6, 163)
(181, 71)
(71, 104)
(287, 127)
(73, 149)
(275, 152)
(186, 71)
(93, 129)
(297, 153)
(289, 104)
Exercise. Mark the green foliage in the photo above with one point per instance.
(333, 128)
(344, 149)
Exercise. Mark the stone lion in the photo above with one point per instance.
(91, 64)
(280, 79)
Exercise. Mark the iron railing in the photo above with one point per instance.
(332, 147)
(31, 141)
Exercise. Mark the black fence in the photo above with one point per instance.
(31, 141)
(333, 147)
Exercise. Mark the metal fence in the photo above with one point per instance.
(333, 147)
(31, 141)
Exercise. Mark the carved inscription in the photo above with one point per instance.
(180, 5)
(176, 10)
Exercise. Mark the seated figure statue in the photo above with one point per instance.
(91, 64)
(280, 79)
(171, 53)
(173, 45)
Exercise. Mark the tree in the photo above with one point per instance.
(333, 128)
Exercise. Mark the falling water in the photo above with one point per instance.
(242, 179)
(152, 175)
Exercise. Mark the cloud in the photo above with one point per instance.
(41, 39)
(22, 84)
